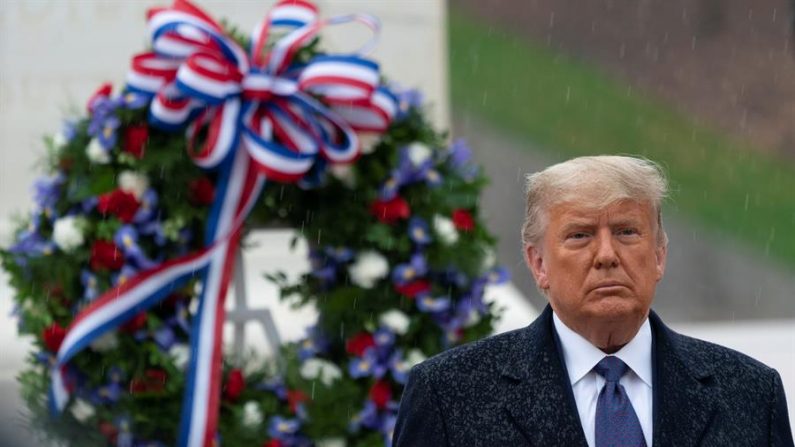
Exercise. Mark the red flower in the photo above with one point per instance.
(53, 336)
(105, 254)
(201, 191)
(380, 393)
(135, 138)
(104, 90)
(153, 381)
(109, 431)
(273, 443)
(463, 220)
(390, 211)
(136, 323)
(295, 398)
(235, 384)
(121, 204)
(414, 288)
(359, 343)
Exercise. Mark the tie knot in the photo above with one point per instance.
(611, 368)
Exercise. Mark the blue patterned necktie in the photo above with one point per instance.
(617, 424)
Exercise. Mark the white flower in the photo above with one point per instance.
(489, 259)
(180, 354)
(67, 233)
(134, 183)
(414, 357)
(368, 142)
(106, 342)
(252, 414)
(59, 140)
(419, 153)
(395, 320)
(82, 410)
(445, 229)
(473, 318)
(6, 234)
(326, 371)
(330, 442)
(96, 153)
(343, 173)
(369, 267)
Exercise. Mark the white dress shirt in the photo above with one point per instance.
(581, 356)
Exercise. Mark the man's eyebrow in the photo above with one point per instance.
(626, 222)
(576, 224)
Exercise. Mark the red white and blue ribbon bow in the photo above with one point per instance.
(260, 120)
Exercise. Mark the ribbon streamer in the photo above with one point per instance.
(262, 120)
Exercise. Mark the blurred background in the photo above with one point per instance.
(704, 87)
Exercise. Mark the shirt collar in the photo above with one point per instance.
(581, 356)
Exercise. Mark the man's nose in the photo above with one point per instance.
(606, 256)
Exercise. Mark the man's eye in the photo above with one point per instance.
(578, 235)
(627, 232)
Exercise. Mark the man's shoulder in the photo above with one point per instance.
(707, 357)
(486, 356)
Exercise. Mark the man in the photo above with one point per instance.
(597, 368)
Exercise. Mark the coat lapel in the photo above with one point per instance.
(536, 393)
(684, 390)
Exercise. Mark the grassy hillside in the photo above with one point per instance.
(573, 109)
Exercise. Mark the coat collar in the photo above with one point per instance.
(538, 399)
(685, 391)
(537, 395)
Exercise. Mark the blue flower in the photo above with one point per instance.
(459, 157)
(107, 135)
(387, 428)
(181, 317)
(111, 392)
(46, 191)
(389, 190)
(69, 130)
(127, 272)
(31, 244)
(89, 281)
(315, 343)
(429, 304)
(416, 268)
(498, 275)
(274, 385)
(367, 365)
(126, 238)
(419, 231)
(132, 100)
(164, 337)
(399, 367)
(148, 207)
(384, 338)
(368, 417)
(433, 178)
(327, 262)
(155, 230)
(89, 204)
(281, 428)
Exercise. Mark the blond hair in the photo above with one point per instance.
(596, 180)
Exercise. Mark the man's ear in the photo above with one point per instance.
(661, 253)
(535, 262)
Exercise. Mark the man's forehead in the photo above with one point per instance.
(587, 211)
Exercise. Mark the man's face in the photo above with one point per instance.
(599, 267)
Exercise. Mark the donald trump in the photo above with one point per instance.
(598, 367)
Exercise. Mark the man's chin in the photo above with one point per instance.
(615, 308)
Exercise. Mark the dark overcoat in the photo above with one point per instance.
(512, 389)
